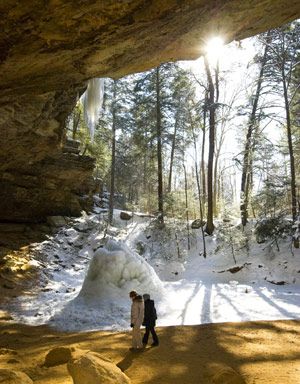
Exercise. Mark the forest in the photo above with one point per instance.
(202, 142)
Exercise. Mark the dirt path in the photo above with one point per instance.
(261, 352)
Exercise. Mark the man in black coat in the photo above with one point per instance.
(149, 320)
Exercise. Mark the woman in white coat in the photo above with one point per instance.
(137, 317)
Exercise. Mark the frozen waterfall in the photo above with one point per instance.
(115, 270)
(92, 103)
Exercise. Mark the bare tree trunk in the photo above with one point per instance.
(221, 185)
(113, 157)
(216, 165)
(216, 159)
(186, 204)
(290, 146)
(159, 149)
(291, 154)
(219, 189)
(247, 161)
(172, 156)
(199, 193)
(212, 123)
(215, 175)
(203, 173)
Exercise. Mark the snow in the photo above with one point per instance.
(195, 302)
(91, 268)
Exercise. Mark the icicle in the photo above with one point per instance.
(92, 103)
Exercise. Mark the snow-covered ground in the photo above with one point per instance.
(91, 269)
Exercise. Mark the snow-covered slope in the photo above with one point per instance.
(92, 267)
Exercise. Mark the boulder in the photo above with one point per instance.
(14, 377)
(58, 356)
(56, 221)
(125, 216)
(198, 223)
(226, 375)
(140, 247)
(91, 368)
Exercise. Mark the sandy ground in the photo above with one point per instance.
(261, 352)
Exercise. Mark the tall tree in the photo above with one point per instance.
(159, 148)
(210, 166)
(115, 118)
(182, 103)
(113, 153)
(283, 50)
(248, 146)
(203, 167)
(193, 122)
(160, 104)
(186, 202)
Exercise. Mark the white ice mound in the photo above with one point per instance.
(115, 270)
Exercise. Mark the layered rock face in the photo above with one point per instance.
(38, 178)
(48, 50)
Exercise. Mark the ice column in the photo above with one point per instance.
(92, 103)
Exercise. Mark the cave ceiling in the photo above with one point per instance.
(47, 45)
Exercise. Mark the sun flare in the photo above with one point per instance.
(214, 48)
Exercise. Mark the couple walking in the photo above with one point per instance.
(143, 312)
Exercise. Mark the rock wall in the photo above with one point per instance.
(37, 178)
(59, 185)
(48, 50)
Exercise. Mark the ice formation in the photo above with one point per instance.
(115, 270)
(92, 102)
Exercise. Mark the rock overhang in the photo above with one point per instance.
(49, 45)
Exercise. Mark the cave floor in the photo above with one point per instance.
(261, 352)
